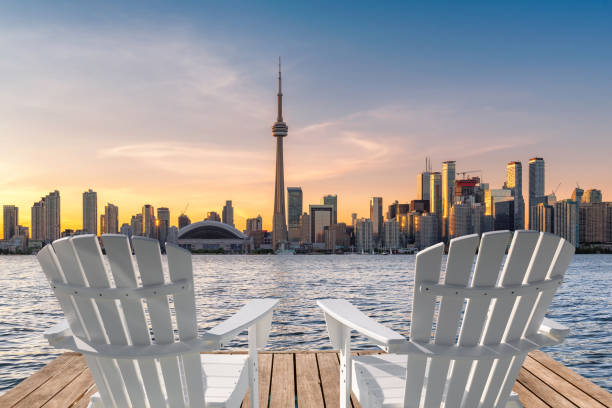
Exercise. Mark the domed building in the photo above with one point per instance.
(212, 235)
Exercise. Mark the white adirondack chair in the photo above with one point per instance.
(126, 330)
(476, 352)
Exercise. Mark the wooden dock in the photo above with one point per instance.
(305, 379)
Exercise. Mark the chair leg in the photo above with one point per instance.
(253, 367)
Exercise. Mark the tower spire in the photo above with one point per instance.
(280, 93)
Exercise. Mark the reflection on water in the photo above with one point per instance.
(381, 286)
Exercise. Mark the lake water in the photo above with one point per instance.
(380, 286)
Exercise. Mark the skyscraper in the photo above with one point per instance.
(320, 217)
(536, 184)
(11, 221)
(577, 195)
(136, 225)
(148, 221)
(566, 222)
(163, 224)
(333, 201)
(423, 182)
(363, 235)
(376, 216)
(514, 181)
(592, 196)
(52, 216)
(111, 218)
(294, 204)
(448, 193)
(253, 224)
(90, 212)
(228, 213)
(435, 203)
(38, 220)
(279, 131)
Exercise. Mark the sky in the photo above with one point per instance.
(172, 103)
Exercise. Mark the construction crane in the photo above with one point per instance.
(467, 173)
(185, 209)
(554, 192)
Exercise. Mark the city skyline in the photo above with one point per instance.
(363, 118)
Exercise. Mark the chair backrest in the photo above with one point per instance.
(125, 317)
(481, 304)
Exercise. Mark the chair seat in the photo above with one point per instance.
(379, 381)
(227, 380)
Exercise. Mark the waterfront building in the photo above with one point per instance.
(330, 238)
(420, 206)
(392, 234)
(396, 210)
(126, 229)
(460, 220)
(364, 239)
(111, 219)
(279, 131)
(90, 212)
(212, 216)
(340, 231)
(595, 223)
(212, 236)
(592, 196)
(228, 213)
(294, 204)
(253, 224)
(448, 194)
(320, 217)
(11, 221)
(376, 216)
(136, 225)
(353, 220)
(306, 229)
(577, 195)
(183, 221)
(503, 210)
(102, 224)
(37, 220)
(514, 182)
(148, 221)
(435, 201)
(423, 189)
(542, 216)
(425, 230)
(163, 224)
(566, 222)
(536, 183)
(52, 216)
(332, 199)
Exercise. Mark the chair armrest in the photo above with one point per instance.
(256, 312)
(339, 311)
(554, 329)
(59, 334)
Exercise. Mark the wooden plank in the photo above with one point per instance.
(559, 384)
(264, 361)
(543, 391)
(50, 388)
(83, 402)
(282, 390)
(329, 370)
(572, 377)
(309, 393)
(33, 382)
(528, 398)
(72, 392)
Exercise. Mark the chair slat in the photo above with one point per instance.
(458, 269)
(66, 254)
(148, 257)
(428, 263)
(122, 267)
(90, 255)
(490, 256)
(180, 268)
(519, 257)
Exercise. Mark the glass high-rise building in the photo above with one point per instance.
(38, 220)
(294, 204)
(332, 199)
(111, 219)
(148, 221)
(514, 181)
(11, 221)
(52, 216)
(227, 215)
(448, 193)
(376, 216)
(163, 224)
(536, 184)
(423, 189)
(320, 217)
(90, 212)
(435, 200)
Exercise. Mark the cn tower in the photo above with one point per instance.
(279, 131)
